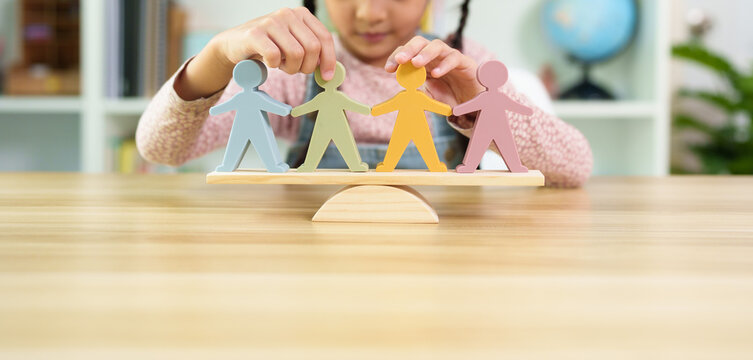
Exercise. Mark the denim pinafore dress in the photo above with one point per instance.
(448, 142)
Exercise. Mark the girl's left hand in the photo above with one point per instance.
(451, 75)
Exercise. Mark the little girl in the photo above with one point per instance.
(373, 38)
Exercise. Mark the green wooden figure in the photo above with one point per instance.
(331, 123)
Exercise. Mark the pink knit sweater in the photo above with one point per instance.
(172, 130)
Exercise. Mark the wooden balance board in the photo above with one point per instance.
(378, 197)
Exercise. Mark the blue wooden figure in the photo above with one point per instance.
(251, 122)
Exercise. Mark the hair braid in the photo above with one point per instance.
(311, 5)
(457, 43)
(457, 38)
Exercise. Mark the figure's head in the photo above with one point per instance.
(336, 81)
(250, 74)
(372, 29)
(410, 77)
(492, 74)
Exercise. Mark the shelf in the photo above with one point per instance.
(136, 106)
(605, 109)
(397, 177)
(126, 107)
(40, 104)
(564, 109)
(646, 122)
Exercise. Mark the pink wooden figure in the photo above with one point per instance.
(492, 123)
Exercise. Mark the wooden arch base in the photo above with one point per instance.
(377, 204)
(378, 197)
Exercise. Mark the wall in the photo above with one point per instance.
(732, 36)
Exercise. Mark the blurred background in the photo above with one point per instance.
(657, 86)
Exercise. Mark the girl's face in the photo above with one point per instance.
(372, 29)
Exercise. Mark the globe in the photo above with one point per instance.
(590, 31)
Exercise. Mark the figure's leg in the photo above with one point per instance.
(427, 149)
(276, 156)
(477, 146)
(270, 153)
(398, 142)
(266, 146)
(345, 142)
(317, 146)
(506, 145)
(237, 144)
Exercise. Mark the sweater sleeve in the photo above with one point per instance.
(545, 142)
(172, 131)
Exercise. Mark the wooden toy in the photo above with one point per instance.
(379, 197)
(331, 125)
(411, 123)
(492, 124)
(251, 123)
(382, 195)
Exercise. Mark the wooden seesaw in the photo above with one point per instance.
(383, 195)
(378, 197)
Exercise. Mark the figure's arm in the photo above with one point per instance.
(385, 107)
(306, 108)
(519, 108)
(467, 107)
(544, 141)
(223, 108)
(173, 130)
(269, 104)
(288, 90)
(356, 106)
(437, 106)
(549, 144)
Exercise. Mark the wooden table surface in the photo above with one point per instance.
(134, 267)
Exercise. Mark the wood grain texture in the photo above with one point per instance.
(377, 204)
(397, 177)
(107, 266)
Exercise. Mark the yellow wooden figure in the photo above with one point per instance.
(411, 123)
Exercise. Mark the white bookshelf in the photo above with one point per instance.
(125, 107)
(40, 105)
(605, 109)
(629, 136)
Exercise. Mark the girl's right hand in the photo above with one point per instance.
(293, 40)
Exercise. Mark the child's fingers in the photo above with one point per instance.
(411, 49)
(309, 42)
(268, 51)
(451, 61)
(434, 49)
(391, 64)
(327, 57)
(405, 53)
(291, 49)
